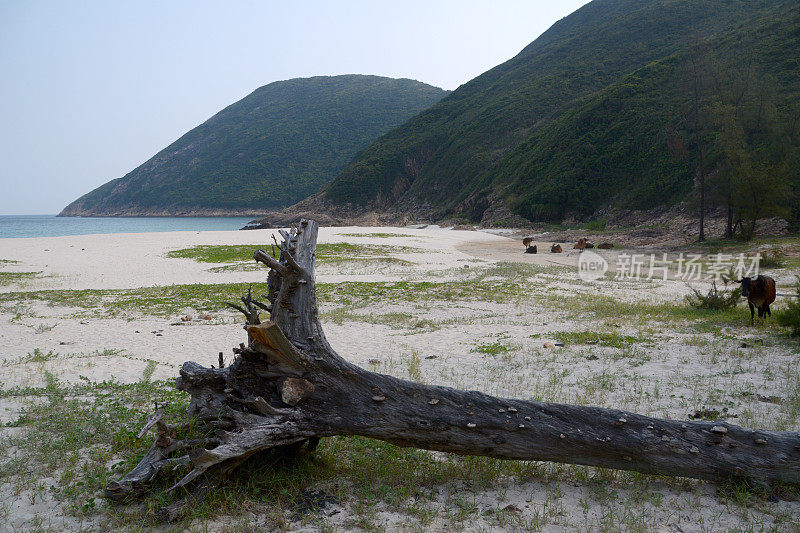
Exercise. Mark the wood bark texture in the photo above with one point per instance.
(287, 388)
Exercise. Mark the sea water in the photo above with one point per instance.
(53, 226)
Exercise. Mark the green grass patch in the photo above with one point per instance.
(218, 253)
(77, 431)
(174, 299)
(368, 261)
(38, 356)
(600, 338)
(493, 348)
(359, 294)
(393, 320)
(7, 278)
(325, 251)
(239, 267)
(157, 301)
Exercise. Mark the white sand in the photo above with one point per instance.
(674, 375)
(131, 260)
(128, 261)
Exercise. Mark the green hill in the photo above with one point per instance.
(578, 120)
(270, 149)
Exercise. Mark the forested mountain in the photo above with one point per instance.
(609, 107)
(270, 149)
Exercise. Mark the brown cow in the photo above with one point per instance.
(555, 249)
(760, 293)
(580, 245)
(527, 241)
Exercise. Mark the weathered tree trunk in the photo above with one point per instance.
(288, 387)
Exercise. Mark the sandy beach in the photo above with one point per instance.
(114, 308)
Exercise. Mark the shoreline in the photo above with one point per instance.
(28, 226)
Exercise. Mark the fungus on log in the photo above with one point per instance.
(287, 388)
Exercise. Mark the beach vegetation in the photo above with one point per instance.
(773, 259)
(596, 225)
(218, 253)
(8, 278)
(332, 253)
(790, 316)
(715, 299)
(500, 284)
(612, 339)
(38, 356)
(44, 328)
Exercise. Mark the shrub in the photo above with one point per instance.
(790, 317)
(774, 259)
(715, 299)
(596, 225)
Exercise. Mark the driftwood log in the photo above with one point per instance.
(287, 388)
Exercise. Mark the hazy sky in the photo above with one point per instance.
(90, 90)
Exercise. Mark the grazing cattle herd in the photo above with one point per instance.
(555, 248)
(760, 292)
